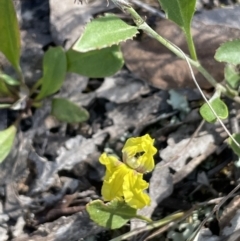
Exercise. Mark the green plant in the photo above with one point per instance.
(123, 184)
(181, 13)
(113, 31)
(90, 50)
(16, 95)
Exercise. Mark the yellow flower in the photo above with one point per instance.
(136, 146)
(123, 179)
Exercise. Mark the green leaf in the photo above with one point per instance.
(9, 33)
(4, 91)
(54, 71)
(104, 32)
(96, 63)
(6, 141)
(219, 107)
(67, 111)
(233, 145)
(112, 215)
(232, 76)
(8, 79)
(179, 11)
(229, 52)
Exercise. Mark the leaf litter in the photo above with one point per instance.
(58, 171)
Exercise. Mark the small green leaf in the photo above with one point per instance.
(9, 80)
(219, 107)
(233, 145)
(104, 32)
(96, 63)
(232, 76)
(179, 11)
(54, 71)
(67, 111)
(6, 141)
(9, 33)
(229, 52)
(112, 215)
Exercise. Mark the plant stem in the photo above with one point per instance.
(11, 92)
(172, 218)
(35, 86)
(148, 220)
(141, 24)
(20, 75)
(191, 45)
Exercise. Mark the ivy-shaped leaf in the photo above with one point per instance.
(54, 71)
(6, 141)
(96, 63)
(229, 52)
(9, 33)
(112, 215)
(219, 107)
(67, 111)
(103, 32)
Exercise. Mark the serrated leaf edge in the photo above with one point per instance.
(105, 46)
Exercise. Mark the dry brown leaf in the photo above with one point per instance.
(153, 62)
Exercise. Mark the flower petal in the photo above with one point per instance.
(133, 187)
(113, 180)
(134, 145)
(147, 163)
(125, 180)
(109, 161)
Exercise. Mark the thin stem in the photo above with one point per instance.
(191, 45)
(141, 24)
(24, 88)
(11, 92)
(20, 75)
(148, 220)
(218, 92)
(215, 209)
(150, 226)
(188, 34)
(35, 86)
(149, 8)
(147, 29)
